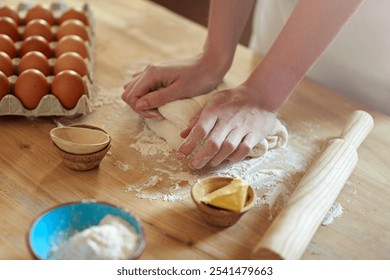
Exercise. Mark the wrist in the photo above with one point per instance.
(218, 60)
(272, 84)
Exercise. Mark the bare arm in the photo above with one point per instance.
(227, 20)
(233, 130)
(310, 29)
(166, 82)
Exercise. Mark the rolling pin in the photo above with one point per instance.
(295, 225)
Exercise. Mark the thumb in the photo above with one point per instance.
(159, 97)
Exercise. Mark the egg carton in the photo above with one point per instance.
(52, 62)
(49, 105)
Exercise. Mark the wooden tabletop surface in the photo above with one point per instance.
(130, 34)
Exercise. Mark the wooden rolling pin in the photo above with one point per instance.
(294, 227)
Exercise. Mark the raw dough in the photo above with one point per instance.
(178, 114)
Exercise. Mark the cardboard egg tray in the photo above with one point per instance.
(49, 104)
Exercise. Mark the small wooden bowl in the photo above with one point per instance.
(213, 215)
(79, 140)
(83, 162)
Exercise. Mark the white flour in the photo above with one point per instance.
(149, 144)
(112, 239)
(274, 175)
(334, 212)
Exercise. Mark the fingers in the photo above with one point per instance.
(151, 114)
(234, 148)
(157, 98)
(153, 88)
(134, 75)
(244, 148)
(142, 83)
(223, 142)
(209, 149)
(133, 100)
(192, 123)
(229, 145)
(130, 96)
(200, 130)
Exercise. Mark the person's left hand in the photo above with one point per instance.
(232, 123)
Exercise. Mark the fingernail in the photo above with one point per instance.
(142, 104)
(180, 156)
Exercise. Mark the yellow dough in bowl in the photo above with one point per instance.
(230, 197)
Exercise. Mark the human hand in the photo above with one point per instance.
(232, 123)
(160, 84)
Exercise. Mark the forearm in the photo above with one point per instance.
(227, 20)
(308, 32)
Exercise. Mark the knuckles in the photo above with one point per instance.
(213, 146)
(151, 69)
(245, 149)
(200, 131)
(241, 152)
(228, 146)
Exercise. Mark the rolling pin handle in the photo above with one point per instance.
(358, 126)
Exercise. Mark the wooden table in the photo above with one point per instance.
(32, 178)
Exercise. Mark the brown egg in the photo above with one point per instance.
(68, 87)
(8, 12)
(7, 45)
(71, 61)
(6, 65)
(73, 27)
(39, 12)
(4, 85)
(9, 27)
(38, 27)
(72, 43)
(34, 60)
(35, 43)
(30, 87)
(74, 14)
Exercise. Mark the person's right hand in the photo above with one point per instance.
(228, 127)
(160, 84)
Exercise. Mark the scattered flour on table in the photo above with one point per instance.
(274, 175)
(125, 167)
(334, 212)
(112, 239)
(103, 97)
(149, 144)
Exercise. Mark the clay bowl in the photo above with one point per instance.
(213, 215)
(79, 159)
(79, 140)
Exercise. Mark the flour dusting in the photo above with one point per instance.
(149, 144)
(112, 239)
(123, 166)
(273, 176)
(334, 212)
(156, 174)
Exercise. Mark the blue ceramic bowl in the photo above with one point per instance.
(56, 225)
